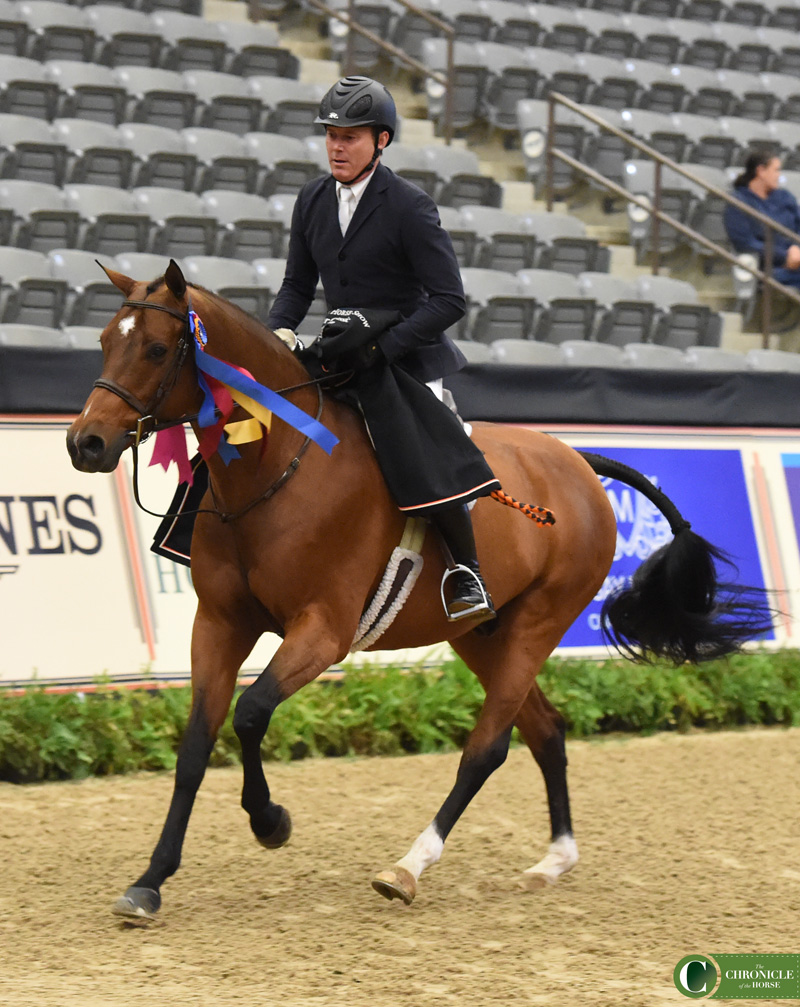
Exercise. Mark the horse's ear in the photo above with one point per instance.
(175, 280)
(120, 280)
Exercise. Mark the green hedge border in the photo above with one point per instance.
(378, 710)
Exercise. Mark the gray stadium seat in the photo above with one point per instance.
(29, 150)
(143, 265)
(465, 240)
(511, 79)
(161, 155)
(773, 360)
(33, 337)
(42, 218)
(196, 43)
(463, 182)
(226, 101)
(512, 23)
(86, 337)
(749, 52)
(409, 162)
(88, 91)
(711, 358)
(609, 37)
(470, 21)
(471, 80)
(570, 135)
(476, 353)
(255, 48)
(60, 31)
(284, 162)
(291, 104)
(659, 129)
(248, 227)
(611, 87)
(584, 353)
(683, 321)
(14, 30)
(224, 161)
(158, 96)
(182, 224)
(566, 313)
(125, 37)
(623, 315)
(92, 298)
(676, 200)
(97, 153)
(562, 29)
(30, 294)
(233, 279)
(375, 16)
(496, 307)
(269, 272)
(505, 242)
(527, 352)
(650, 356)
(26, 89)
(113, 221)
(564, 243)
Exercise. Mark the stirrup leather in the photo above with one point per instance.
(482, 606)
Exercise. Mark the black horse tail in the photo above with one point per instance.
(676, 607)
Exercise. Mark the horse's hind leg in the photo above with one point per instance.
(218, 650)
(506, 672)
(542, 727)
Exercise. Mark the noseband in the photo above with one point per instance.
(147, 411)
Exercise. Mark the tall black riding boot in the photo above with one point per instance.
(469, 598)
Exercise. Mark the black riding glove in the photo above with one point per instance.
(349, 338)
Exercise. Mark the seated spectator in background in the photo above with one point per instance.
(758, 186)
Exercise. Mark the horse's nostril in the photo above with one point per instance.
(92, 447)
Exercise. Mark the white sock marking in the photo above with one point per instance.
(425, 852)
(560, 858)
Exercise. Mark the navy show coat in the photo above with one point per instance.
(395, 255)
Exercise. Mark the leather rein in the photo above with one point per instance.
(147, 415)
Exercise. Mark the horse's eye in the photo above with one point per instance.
(156, 352)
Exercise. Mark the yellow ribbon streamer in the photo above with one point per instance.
(245, 431)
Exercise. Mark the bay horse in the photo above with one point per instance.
(304, 562)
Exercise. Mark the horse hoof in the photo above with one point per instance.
(280, 835)
(138, 904)
(535, 881)
(397, 883)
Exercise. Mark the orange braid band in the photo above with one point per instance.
(541, 515)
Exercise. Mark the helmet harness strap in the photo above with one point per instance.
(368, 168)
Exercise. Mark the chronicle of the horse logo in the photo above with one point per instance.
(8, 568)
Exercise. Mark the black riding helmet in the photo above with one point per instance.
(358, 101)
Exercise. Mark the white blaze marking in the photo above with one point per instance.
(425, 852)
(126, 325)
(86, 410)
(560, 858)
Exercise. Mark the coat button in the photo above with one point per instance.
(342, 256)
(344, 282)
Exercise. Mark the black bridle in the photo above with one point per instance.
(147, 414)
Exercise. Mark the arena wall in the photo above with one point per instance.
(82, 596)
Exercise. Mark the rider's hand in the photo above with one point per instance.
(792, 257)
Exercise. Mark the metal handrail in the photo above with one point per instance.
(447, 80)
(661, 160)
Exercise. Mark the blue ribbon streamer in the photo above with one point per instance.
(277, 405)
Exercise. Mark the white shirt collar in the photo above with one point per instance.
(358, 188)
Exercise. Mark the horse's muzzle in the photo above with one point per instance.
(90, 452)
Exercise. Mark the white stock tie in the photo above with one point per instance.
(347, 205)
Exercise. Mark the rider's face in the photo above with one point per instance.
(350, 149)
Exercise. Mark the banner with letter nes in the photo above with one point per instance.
(82, 596)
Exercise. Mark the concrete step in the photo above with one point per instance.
(225, 10)
(318, 71)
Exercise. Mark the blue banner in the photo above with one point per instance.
(707, 486)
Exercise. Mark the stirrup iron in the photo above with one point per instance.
(481, 607)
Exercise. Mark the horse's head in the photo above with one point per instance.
(144, 351)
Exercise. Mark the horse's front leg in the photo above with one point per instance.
(218, 649)
(308, 649)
